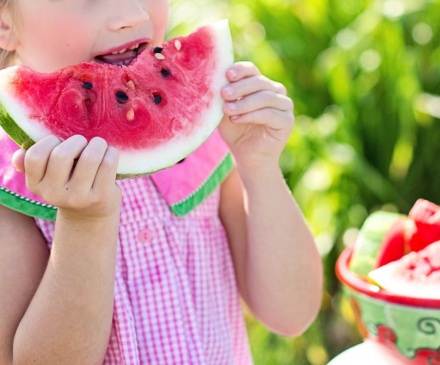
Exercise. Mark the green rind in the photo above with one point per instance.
(370, 240)
(13, 130)
(188, 204)
(27, 206)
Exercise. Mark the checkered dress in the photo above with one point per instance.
(176, 299)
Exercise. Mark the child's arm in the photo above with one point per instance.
(278, 267)
(23, 259)
(69, 318)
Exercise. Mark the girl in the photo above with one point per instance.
(122, 276)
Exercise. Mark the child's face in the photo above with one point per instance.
(53, 34)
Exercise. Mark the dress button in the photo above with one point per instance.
(145, 235)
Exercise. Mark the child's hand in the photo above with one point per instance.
(258, 117)
(89, 192)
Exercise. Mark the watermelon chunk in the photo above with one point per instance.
(417, 274)
(426, 227)
(380, 240)
(155, 111)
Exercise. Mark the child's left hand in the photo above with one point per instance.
(258, 117)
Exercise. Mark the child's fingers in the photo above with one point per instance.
(106, 175)
(251, 85)
(259, 100)
(18, 160)
(273, 118)
(61, 160)
(36, 160)
(88, 165)
(241, 70)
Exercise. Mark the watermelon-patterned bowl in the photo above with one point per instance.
(404, 327)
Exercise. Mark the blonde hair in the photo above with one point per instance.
(8, 58)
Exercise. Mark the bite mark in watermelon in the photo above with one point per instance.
(415, 275)
(156, 111)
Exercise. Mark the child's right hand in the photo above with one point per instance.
(89, 192)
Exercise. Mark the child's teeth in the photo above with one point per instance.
(125, 49)
(119, 52)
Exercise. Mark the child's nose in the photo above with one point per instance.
(127, 14)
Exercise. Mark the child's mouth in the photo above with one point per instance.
(122, 59)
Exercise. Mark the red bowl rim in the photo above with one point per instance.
(354, 282)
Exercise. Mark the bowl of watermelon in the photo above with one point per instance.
(391, 278)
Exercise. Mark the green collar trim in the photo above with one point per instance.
(48, 212)
(186, 205)
(27, 206)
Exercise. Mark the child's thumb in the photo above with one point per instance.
(18, 160)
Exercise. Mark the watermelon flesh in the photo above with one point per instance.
(155, 111)
(417, 274)
(425, 216)
(394, 245)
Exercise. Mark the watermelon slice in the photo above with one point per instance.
(394, 244)
(426, 226)
(414, 275)
(155, 111)
(380, 240)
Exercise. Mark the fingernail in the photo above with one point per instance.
(233, 73)
(232, 106)
(235, 117)
(228, 90)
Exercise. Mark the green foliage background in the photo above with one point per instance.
(365, 78)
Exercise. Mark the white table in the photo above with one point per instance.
(365, 353)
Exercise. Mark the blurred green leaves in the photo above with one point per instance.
(365, 79)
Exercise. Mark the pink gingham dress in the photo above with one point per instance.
(176, 299)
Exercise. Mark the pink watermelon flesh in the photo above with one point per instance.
(165, 95)
(426, 230)
(393, 245)
(416, 274)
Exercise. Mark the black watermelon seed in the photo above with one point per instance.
(157, 99)
(87, 85)
(181, 161)
(122, 97)
(157, 49)
(165, 73)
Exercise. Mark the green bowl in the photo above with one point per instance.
(405, 327)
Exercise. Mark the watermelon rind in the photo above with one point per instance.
(14, 120)
(369, 241)
(11, 128)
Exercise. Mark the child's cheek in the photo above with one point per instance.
(46, 50)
